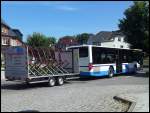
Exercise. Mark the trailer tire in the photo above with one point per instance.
(28, 83)
(60, 81)
(51, 82)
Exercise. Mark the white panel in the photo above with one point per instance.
(103, 67)
(84, 61)
(76, 60)
(16, 62)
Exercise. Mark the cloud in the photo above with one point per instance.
(57, 5)
(66, 8)
(37, 2)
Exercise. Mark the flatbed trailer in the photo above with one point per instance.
(36, 65)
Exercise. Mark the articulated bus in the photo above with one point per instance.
(98, 61)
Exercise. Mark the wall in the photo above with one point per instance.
(114, 44)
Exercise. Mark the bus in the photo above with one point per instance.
(96, 61)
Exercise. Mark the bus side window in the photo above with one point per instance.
(124, 58)
(103, 57)
(111, 58)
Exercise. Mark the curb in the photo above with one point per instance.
(127, 101)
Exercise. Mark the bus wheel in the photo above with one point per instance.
(51, 82)
(135, 69)
(111, 72)
(60, 81)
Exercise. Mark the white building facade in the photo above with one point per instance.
(118, 42)
(109, 39)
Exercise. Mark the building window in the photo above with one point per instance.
(4, 30)
(121, 46)
(5, 41)
(97, 43)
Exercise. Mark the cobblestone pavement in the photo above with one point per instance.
(141, 99)
(75, 95)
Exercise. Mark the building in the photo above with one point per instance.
(9, 37)
(114, 39)
(65, 42)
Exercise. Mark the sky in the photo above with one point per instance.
(61, 18)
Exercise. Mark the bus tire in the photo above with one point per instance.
(60, 81)
(51, 82)
(111, 72)
(135, 69)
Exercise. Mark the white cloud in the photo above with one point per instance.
(66, 8)
(58, 5)
(37, 2)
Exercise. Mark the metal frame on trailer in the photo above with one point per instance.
(43, 64)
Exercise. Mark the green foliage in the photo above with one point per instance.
(52, 40)
(82, 38)
(135, 25)
(40, 40)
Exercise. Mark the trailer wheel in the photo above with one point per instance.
(28, 83)
(51, 82)
(60, 81)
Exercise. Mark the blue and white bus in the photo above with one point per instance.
(103, 61)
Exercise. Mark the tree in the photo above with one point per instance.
(52, 40)
(135, 25)
(82, 38)
(40, 40)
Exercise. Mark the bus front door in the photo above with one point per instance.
(118, 62)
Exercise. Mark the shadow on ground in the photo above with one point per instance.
(23, 86)
(141, 74)
(30, 111)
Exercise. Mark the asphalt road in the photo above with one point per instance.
(74, 95)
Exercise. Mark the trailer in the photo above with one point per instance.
(38, 64)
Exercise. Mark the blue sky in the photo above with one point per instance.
(60, 18)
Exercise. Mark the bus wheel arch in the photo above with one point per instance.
(111, 71)
(135, 68)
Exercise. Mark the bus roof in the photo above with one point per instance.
(84, 45)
